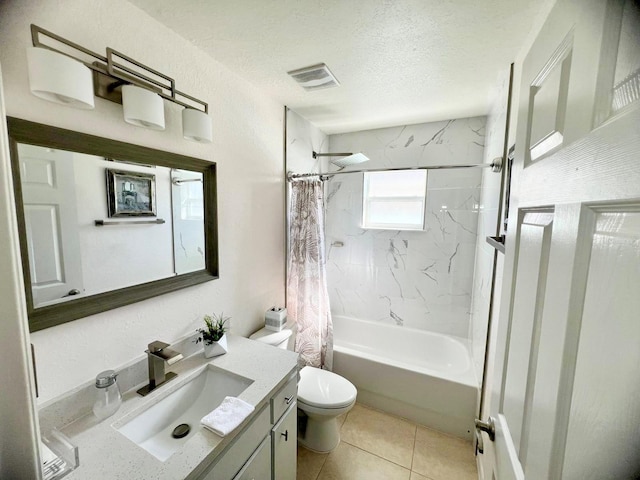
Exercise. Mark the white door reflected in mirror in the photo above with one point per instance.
(50, 216)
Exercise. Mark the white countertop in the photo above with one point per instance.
(107, 454)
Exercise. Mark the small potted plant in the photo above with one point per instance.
(213, 335)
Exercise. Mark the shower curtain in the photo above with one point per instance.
(307, 295)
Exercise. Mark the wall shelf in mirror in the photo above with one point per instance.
(105, 223)
(60, 183)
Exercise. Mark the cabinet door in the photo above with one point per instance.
(284, 445)
(259, 465)
(242, 448)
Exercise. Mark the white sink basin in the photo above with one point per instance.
(153, 428)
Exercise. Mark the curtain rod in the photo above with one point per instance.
(495, 165)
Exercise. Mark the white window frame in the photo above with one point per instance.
(366, 199)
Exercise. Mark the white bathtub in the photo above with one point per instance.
(423, 376)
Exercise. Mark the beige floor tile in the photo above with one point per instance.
(309, 464)
(417, 476)
(347, 462)
(384, 435)
(441, 457)
(341, 419)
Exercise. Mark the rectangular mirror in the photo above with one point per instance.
(104, 223)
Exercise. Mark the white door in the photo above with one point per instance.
(566, 395)
(51, 221)
(18, 413)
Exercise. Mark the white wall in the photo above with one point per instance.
(304, 138)
(413, 279)
(247, 148)
(109, 252)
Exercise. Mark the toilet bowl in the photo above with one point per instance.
(322, 397)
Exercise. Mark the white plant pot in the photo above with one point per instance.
(216, 348)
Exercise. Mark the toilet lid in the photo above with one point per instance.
(324, 389)
(269, 336)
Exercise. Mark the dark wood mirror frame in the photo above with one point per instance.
(25, 132)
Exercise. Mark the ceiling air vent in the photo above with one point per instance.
(314, 77)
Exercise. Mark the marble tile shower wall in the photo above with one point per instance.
(415, 279)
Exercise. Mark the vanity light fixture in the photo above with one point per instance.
(142, 107)
(59, 79)
(196, 126)
(60, 71)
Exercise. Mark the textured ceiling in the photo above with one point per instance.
(398, 61)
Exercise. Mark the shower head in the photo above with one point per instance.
(345, 160)
(350, 160)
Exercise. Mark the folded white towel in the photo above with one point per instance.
(224, 419)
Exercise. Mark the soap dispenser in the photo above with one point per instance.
(108, 398)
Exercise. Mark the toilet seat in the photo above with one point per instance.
(324, 389)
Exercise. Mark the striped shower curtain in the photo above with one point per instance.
(307, 296)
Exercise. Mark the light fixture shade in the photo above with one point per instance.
(60, 79)
(142, 107)
(196, 126)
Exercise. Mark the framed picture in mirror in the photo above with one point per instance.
(130, 194)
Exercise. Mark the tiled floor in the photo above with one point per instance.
(378, 446)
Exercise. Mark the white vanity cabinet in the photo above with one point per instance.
(284, 434)
(259, 465)
(266, 449)
(284, 445)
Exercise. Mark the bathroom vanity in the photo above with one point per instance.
(266, 448)
(262, 447)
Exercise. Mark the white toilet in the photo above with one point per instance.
(322, 397)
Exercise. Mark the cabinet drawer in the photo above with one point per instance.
(285, 397)
(259, 465)
(237, 454)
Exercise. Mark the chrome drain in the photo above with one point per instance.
(181, 431)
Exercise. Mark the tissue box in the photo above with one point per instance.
(275, 319)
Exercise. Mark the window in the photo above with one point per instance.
(192, 201)
(394, 200)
